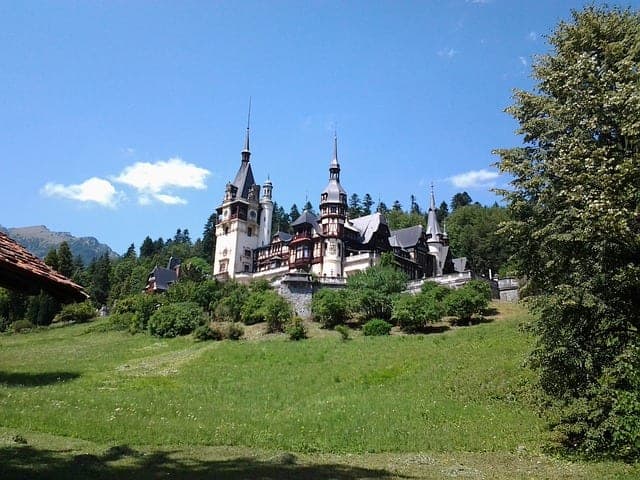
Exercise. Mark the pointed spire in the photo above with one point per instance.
(433, 199)
(335, 149)
(246, 153)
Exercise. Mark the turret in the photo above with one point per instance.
(266, 214)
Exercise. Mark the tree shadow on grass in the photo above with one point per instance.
(26, 379)
(20, 462)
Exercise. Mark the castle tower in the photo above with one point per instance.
(237, 230)
(437, 239)
(266, 214)
(333, 214)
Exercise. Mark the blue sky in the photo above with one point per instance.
(123, 119)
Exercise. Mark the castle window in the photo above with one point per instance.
(226, 230)
(249, 231)
(247, 252)
(246, 267)
(334, 209)
(223, 265)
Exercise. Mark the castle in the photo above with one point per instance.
(330, 246)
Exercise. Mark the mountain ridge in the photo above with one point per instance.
(38, 239)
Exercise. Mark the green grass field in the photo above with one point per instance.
(111, 405)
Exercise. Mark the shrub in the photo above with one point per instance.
(234, 331)
(464, 302)
(480, 287)
(76, 312)
(439, 292)
(413, 312)
(118, 322)
(22, 326)
(229, 308)
(143, 305)
(266, 306)
(371, 292)
(208, 332)
(182, 291)
(296, 329)
(175, 319)
(344, 331)
(376, 327)
(330, 307)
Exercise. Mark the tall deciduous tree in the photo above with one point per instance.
(575, 204)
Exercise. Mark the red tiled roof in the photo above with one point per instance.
(24, 272)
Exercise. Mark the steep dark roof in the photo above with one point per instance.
(244, 179)
(22, 271)
(164, 277)
(305, 217)
(368, 225)
(284, 236)
(406, 237)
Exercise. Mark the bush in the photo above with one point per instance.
(208, 332)
(266, 306)
(22, 326)
(76, 312)
(229, 308)
(413, 312)
(371, 292)
(234, 331)
(117, 322)
(330, 307)
(296, 329)
(376, 327)
(143, 305)
(437, 291)
(464, 302)
(182, 291)
(481, 288)
(175, 319)
(344, 332)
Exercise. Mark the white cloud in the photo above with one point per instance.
(94, 189)
(523, 61)
(447, 52)
(152, 180)
(474, 179)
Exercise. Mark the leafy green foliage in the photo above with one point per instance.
(344, 332)
(465, 302)
(20, 326)
(208, 332)
(413, 312)
(574, 227)
(376, 327)
(142, 306)
(266, 306)
(330, 307)
(76, 312)
(296, 330)
(230, 306)
(371, 291)
(474, 233)
(175, 319)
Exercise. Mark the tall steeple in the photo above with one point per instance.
(334, 167)
(246, 153)
(433, 227)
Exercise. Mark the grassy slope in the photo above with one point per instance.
(383, 398)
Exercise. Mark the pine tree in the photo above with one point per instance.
(294, 213)
(65, 260)
(367, 203)
(51, 259)
(355, 206)
(460, 200)
(209, 237)
(147, 248)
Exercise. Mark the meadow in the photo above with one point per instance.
(456, 402)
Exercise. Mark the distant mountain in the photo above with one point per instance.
(39, 240)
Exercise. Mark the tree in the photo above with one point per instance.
(575, 227)
(415, 208)
(355, 206)
(460, 200)
(308, 206)
(51, 259)
(442, 212)
(474, 233)
(397, 206)
(65, 260)
(131, 251)
(367, 203)
(147, 248)
(294, 213)
(382, 208)
(209, 237)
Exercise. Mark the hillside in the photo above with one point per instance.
(39, 240)
(78, 402)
